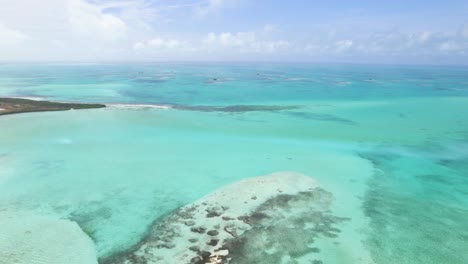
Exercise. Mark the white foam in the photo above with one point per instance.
(294, 79)
(27, 238)
(30, 98)
(343, 83)
(138, 106)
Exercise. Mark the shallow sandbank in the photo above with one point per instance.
(268, 219)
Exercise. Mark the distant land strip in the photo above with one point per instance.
(10, 106)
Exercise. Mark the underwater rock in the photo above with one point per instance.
(212, 233)
(273, 227)
(149, 80)
(237, 108)
(200, 230)
(27, 238)
(321, 117)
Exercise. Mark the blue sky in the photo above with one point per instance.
(417, 32)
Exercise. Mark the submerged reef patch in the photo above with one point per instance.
(267, 219)
(285, 227)
(236, 108)
(149, 80)
(321, 117)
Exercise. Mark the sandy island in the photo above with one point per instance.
(18, 105)
(269, 219)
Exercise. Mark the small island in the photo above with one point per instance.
(18, 105)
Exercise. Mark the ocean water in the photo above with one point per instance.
(388, 143)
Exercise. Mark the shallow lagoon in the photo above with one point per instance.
(388, 143)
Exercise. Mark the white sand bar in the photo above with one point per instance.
(138, 106)
(279, 215)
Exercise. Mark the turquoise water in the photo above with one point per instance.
(390, 143)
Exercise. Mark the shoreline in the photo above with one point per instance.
(17, 105)
(9, 106)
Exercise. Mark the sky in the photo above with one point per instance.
(345, 31)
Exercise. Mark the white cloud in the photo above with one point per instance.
(272, 46)
(143, 29)
(422, 37)
(246, 42)
(139, 46)
(343, 45)
(389, 44)
(164, 43)
(449, 46)
(89, 20)
(227, 39)
(160, 44)
(10, 36)
(213, 46)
